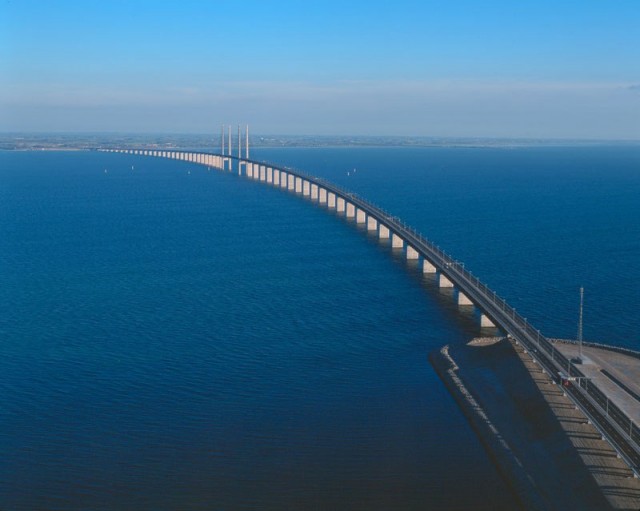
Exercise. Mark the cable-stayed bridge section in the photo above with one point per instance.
(617, 420)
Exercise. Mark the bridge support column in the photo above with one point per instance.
(292, 182)
(443, 281)
(396, 241)
(306, 188)
(427, 267)
(250, 170)
(269, 175)
(351, 210)
(412, 253)
(263, 173)
(340, 205)
(322, 195)
(331, 200)
(372, 224)
(298, 184)
(284, 179)
(276, 177)
(314, 191)
(383, 233)
(463, 299)
(486, 322)
(361, 216)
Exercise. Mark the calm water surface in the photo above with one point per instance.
(178, 339)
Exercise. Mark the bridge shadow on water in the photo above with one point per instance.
(561, 451)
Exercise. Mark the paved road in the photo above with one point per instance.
(616, 374)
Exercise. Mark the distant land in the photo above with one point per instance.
(83, 141)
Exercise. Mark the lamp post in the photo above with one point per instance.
(580, 324)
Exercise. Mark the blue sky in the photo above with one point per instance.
(560, 69)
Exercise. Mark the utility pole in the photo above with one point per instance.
(580, 324)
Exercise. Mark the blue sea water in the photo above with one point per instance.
(178, 339)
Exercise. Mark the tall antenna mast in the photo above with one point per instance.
(580, 323)
(246, 148)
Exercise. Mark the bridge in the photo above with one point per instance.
(598, 403)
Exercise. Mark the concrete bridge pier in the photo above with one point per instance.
(383, 232)
(276, 177)
(351, 210)
(443, 281)
(331, 200)
(463, 299)
(361, 216)
(322, 195)
(263, 173)
(269, 175)
(298, 184)
(412, 253)
(396, 241)
(292, 182)
(427, 267)
(314, 192)
(485, 322)
(250, 170)
(340, 205)
(306, 188)
(372, 224)
(284, 179)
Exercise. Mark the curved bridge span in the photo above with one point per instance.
(614, 425)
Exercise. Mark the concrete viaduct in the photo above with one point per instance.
(614, 425)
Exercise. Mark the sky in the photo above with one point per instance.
(450, 68)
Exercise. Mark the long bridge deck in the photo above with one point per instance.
(593, 396)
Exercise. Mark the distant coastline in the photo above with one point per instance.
(83, 141)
